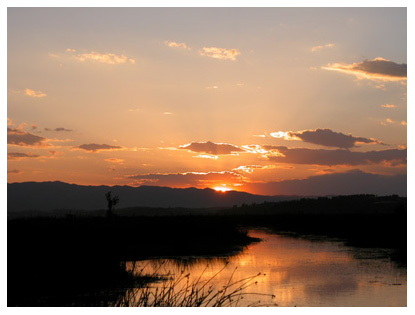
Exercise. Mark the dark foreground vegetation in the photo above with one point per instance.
(81, 260)
(76, 261)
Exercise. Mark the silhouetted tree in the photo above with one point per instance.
(112, 201)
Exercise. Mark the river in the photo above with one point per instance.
(299, 272)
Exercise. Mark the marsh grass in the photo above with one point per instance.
(181, 291)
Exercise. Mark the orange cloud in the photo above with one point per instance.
(220, 53)
(316, 48)
(378, 69)
(388, 121)
(115, 160)
(254, 148)
(286, 135)
(207, 156)
(32, 93)
(107, 58)
(211, 148)
(176, 45)
(388, 106)
(247, 168)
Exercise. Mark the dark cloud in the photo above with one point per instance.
(23, 138)
(14, 172)
(58, 129)
(93, 147)
(19, 156)
(348, 183)
(190, 179)
(375, 69)
(282, 154)
(325, 137)
(211, 148)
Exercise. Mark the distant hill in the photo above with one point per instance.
(352, 182)
(48, 196)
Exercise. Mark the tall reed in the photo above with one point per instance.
(180, 291)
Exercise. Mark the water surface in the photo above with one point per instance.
(301, 272)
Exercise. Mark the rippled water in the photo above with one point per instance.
(301, 272)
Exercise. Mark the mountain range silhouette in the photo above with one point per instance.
(47, 196)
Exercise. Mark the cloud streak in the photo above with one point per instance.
(115, 160)
(93, 147)
(14, 172)
(325, 137)
(317, 48)
(19, 156)
(35, 94)
(188, 179)
(206, 156)
(58, 129)
(211, 148)
(280, 154)
(108, 58)
(389, 121)
(378, 69)
(220, 53)
(25, 139)
(173, 44)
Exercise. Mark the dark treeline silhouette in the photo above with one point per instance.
(335, 205)
(74, 258)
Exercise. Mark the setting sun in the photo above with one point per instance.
(222, 189)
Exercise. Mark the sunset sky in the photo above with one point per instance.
(238, 98)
